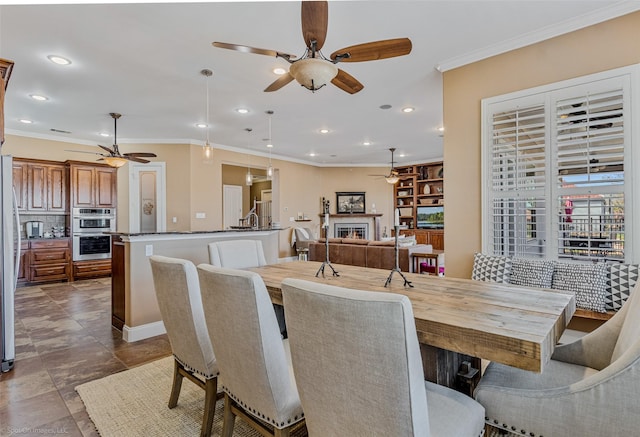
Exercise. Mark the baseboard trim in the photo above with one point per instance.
(137, 333)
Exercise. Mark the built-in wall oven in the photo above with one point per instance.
(87, 229)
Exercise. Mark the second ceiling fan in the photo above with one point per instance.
(313, 70)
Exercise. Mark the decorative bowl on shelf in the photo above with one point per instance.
(425, 201)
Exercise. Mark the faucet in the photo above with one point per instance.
(253, 220)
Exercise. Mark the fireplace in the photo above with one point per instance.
(351, 230)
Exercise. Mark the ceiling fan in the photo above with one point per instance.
(113, 157)
(393, 176)
(313, 70)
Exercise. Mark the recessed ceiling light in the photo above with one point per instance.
(408, 109)
(279, 71)
(312, 154)
(25, 121)
(366, 143)
(59, 60)
(402, 155)
(441, 128)
(201, 125)
(38, 97)
(104, 134)
(324, 131)
(270, 145)
(242, 111)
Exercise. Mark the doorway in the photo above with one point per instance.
(147, 197)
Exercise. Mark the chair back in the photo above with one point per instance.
(251, 354)
(237, 254)
(630, 329)
(178, 294)
(303, 237)
(356, 360)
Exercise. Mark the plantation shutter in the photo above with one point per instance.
(590, 155)
(518, 179)
(554, 161)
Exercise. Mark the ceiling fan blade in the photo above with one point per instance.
(257, 51)
(108, 149)
(372, 51)
(84, 151)
(346, 82)
(315, 18)
(133, 158)
(139, 155)
(279, 83)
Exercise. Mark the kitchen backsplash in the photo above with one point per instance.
(50, 221)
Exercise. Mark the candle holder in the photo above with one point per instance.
(326, 262)
(407, 283)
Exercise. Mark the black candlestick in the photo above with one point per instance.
(325, 205)
(397, 267)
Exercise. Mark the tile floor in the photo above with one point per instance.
(64, 338)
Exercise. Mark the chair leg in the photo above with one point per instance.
(210, 398)
(177, 384)
(228, 417)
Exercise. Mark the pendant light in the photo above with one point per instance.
(249, 177)
(270, 146)
(207, 150)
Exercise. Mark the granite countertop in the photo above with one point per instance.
(238, 229)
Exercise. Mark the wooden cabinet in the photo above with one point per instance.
(41, 186)
(20, 184)
(91, 269)
(419, 194)
(49, 260)
(118, 283)
(23, 266)
(93, 185)
(434, 237)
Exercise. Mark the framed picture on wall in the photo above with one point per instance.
(350, 202)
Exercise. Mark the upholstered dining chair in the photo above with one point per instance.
(178, 294)
(589, 388)
(358, 367)
(237, 254)
(254, 360)
(302, 238)
(243, 254)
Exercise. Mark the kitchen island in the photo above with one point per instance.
(134, 308)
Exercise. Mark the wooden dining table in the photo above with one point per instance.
(456, 320)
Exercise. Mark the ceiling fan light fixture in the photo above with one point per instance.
(114, 161)
(313, 73)
(393, 179)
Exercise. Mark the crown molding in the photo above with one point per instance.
(589, 19)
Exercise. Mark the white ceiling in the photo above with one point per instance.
(144, 61)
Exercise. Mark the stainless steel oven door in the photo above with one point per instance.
(91, 246)
(93, 224)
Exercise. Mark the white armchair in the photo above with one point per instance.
(178, 294)
(589, 388)
(357, 364)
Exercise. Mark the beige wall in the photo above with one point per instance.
(597, 48)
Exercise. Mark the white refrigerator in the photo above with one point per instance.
(9, 261)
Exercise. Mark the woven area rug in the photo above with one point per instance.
(134, 403)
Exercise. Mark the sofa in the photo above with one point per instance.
(600, 288)
(366, 253)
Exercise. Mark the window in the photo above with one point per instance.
(554, 159)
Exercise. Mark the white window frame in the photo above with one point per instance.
(548, 95)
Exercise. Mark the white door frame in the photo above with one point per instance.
(134, 194)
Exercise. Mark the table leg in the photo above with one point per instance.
(441, 366)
